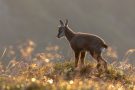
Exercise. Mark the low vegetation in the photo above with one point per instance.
(43, 72)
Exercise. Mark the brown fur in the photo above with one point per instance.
(84, 42)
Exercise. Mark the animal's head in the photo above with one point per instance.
(62, 28)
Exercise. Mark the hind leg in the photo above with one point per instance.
(100, 61)
(103, 62)
(95, 56)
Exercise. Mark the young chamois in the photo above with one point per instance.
(82, 43)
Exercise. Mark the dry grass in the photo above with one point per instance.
(43, 72)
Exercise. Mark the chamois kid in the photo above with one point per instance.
(82, 43)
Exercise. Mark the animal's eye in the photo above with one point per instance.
(61, 30)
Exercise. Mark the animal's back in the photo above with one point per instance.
(86, 41)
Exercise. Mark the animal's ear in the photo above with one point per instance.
(66, 24)
(61, 23)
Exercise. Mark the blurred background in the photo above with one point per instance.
(37, 20)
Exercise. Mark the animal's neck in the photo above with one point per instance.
(69, 33)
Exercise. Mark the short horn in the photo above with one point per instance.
(66, 22)
(62, 24)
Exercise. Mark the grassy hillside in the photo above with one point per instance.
(47, 71)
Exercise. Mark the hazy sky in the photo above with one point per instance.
(113, 20)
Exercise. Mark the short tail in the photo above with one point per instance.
(105, 46)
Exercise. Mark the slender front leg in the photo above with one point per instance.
(83, 53)
(77, 55)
